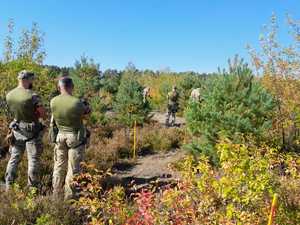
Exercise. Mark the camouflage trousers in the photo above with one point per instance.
(68, 154)
(171, 114)
(34, 149)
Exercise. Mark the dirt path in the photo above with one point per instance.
(149, 169)
(161, 118)
(156, 116)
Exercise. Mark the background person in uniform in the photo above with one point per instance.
(195, 95)
(146, 94)
(26, 109)
(68, 112)
(172, 108)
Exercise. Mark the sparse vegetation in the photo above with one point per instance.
(234, 103)
(244, 136)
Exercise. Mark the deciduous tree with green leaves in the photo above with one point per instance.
(279, 65)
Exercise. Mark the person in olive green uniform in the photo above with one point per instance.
(173, 98)
(26, 108)
(67, 113)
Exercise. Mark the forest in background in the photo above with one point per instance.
(241, 140)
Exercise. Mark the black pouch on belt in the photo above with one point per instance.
(30, 130)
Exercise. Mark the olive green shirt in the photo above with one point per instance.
(173, 97)
(67, 112)
(22, 103)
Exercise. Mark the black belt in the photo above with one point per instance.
(15, 125)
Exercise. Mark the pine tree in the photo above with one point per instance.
(234, 103)
(129, 103)
(86, 76)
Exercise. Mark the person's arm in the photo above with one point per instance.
(52, 121)
(87, 108)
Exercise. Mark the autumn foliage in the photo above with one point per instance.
(244, 136)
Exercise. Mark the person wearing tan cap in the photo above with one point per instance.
(26, 129)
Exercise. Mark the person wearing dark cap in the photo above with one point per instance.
(70, 142)
(26, 107)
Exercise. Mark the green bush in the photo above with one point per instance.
(98, 111)
(189, 82)
(240, 191)
(45, 219)
(156, 139)
(129, 103)
(110, 81)
(86, 77)
(21, 207)
(43, 84)
(233, 103)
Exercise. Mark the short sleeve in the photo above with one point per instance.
(51, 104)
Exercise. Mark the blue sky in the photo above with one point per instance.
(197, 35)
